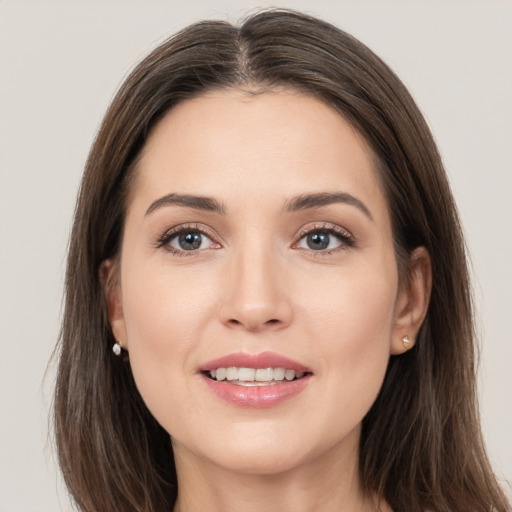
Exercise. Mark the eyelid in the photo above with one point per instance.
(347, 239)
(164, 239)
(325, 226)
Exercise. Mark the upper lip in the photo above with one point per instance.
(261, 360)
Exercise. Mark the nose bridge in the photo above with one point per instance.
(256, 297)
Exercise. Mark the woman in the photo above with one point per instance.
(267, 297)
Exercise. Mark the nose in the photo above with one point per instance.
(255, 295)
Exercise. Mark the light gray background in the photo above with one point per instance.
(60, 63)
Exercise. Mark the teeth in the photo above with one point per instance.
(246, 374)
(279, 373)
(264, 374)
(252, 376)
(289, 374)
(232, 373)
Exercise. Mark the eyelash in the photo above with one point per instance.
(346, 239)
(168, 236)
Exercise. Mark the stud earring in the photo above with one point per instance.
(406, 341)
(117, 348)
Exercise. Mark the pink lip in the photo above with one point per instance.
(262, 360)
(257, 397)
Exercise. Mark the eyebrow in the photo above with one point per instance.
(196, 202)
(305, 201)
(297, 203)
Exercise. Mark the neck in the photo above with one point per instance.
(326, 484)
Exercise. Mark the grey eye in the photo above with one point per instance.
(190, 241)
(319, 241)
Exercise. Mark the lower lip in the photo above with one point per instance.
(257, 397)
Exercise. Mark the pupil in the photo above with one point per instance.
(318, 241)
(190, 241)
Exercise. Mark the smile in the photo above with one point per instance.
(254, 376)
(255, 380)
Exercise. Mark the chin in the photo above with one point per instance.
(254, 461)
(265, 449)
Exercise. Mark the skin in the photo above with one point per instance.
(255, 285)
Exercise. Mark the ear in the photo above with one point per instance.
(109, 277)
(412, 301)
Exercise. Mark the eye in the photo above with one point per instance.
(189, 241)
(319, 241)
(186, 239)
(325, 239)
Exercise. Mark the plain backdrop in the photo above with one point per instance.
(61, 62)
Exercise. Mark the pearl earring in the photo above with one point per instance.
(117, 348)
(406, 341)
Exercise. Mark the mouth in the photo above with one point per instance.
(255, 380)
(250, 377)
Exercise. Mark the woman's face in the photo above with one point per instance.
(257, 236)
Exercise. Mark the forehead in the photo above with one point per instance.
(231, 143)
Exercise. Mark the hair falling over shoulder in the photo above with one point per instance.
(421, 447)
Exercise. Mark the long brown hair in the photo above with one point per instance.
(421, 447)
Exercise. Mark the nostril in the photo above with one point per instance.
(254, 325)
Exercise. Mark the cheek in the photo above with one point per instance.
(356, 303)
(164, 307)
(353, 334)
(165, 313)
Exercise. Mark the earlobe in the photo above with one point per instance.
(412, 302)
(109, 278)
